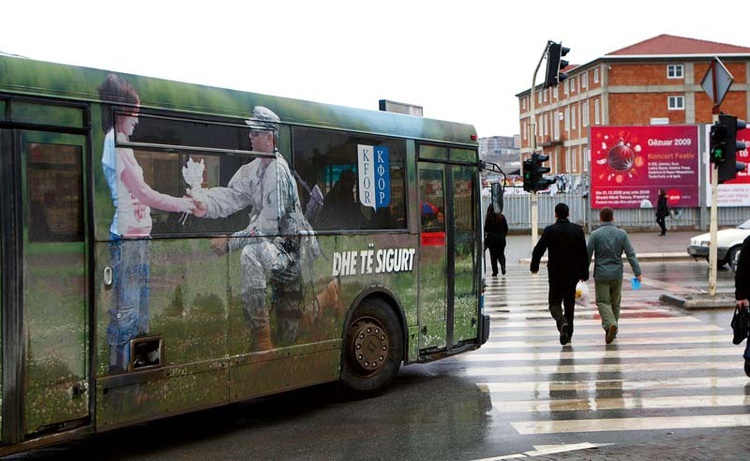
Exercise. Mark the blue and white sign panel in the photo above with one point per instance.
(374, 176)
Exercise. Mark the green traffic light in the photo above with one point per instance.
(718, 155)
(718, 149)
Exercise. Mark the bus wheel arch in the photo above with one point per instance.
(373, 347)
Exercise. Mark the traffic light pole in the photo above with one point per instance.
(714, 219)
(712, 250)
(532, 117)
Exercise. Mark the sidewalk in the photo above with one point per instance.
(649, 246)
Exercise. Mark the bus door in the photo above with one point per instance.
(45, 325)
(435, 262)
(448, 288)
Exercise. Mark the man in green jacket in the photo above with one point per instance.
(607, 245)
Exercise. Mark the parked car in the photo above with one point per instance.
(728, 243)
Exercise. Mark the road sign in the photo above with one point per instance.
(717, 81)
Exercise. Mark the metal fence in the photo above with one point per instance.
(517, 210)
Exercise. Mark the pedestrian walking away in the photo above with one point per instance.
(567, 263)
(662, 211)
(607, 244)
(496, 231)
(742, 290)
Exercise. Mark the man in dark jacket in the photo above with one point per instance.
(662, 211)
(742, 289)
(567, 263)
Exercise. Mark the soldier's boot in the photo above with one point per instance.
(328, 299)
(256, 318)
(263, 339)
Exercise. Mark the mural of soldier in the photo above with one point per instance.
(278, 241)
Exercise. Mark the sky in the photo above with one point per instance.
(463, 61)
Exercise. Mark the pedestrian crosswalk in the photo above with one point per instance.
(667, 369)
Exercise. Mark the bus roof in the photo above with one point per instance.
(19, 75)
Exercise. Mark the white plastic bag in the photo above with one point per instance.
(582, 294)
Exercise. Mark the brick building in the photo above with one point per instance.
(656, 81)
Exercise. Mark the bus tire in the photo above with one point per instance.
(373, 349)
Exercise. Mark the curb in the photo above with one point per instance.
(700, 300)
(641, 257)
(679, 255)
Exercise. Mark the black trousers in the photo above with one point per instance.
(562, 301)
(662, 225)
(497, 254)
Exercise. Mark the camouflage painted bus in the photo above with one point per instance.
(170, 247)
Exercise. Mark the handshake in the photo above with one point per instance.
(191, 203)
(195, 203)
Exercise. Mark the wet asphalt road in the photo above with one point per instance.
(671, 375)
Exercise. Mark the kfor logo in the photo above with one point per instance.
(374, 176)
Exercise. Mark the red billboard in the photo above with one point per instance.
(629, 164)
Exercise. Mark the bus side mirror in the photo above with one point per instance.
(497, 197)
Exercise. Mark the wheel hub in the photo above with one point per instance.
(370, 346)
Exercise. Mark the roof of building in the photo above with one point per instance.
(665, 45)
(672, 45)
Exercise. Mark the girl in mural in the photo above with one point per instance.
(131, 224)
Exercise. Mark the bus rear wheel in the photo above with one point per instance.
(373, 349)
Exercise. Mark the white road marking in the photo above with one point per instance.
(602, 368)
(627, 403)
(631, 424)
(570, 353)
(545, 387)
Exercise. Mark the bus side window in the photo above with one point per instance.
(55, 193)
(328, 161)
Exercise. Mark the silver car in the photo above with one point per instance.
(728, 243)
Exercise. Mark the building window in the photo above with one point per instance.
(596, 75)
(585, 114)
(676, 103)
(586, 159)
(574, 162)
(567, 87)
(573, 84)
(597, 119)
(567, 119)
(585, 80)
(573, 111)
(675, 71)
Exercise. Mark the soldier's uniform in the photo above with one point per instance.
(277, 244)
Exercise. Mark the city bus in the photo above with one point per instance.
(170, 247)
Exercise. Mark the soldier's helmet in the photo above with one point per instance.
(264, 119)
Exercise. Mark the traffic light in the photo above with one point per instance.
(528, 172)
(533, 173)
(724, 146)
(555, 52)
(539, 182)
(718, 144)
